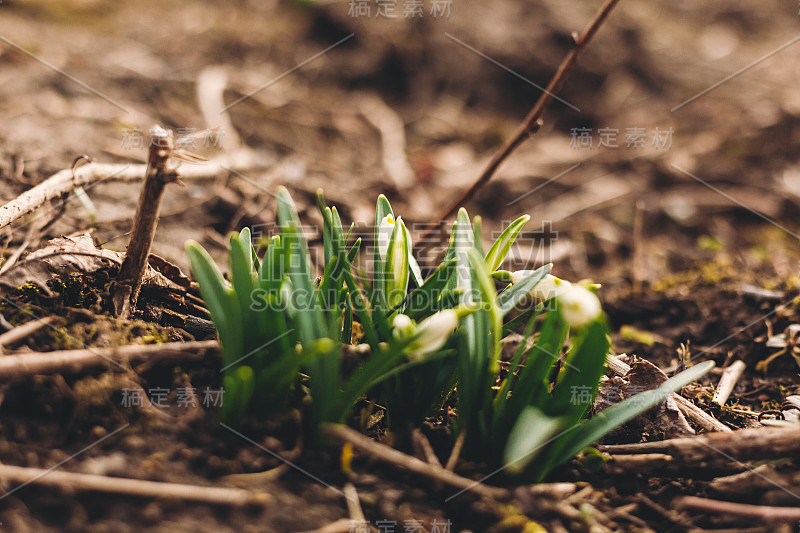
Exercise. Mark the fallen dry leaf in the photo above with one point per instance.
(66, 255)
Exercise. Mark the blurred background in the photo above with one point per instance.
(673, 143)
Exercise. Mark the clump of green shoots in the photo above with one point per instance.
(283, 334)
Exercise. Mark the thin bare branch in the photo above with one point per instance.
(532, 122)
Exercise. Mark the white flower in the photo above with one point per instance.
(429, 335)
(403, 325)
(549, 287)
(578, 305)
(518, 275)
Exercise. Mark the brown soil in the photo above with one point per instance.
(695, 243)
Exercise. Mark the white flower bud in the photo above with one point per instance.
(403, 325)
(578, 305)
(384, 235)
(432, 333)
(549, 287)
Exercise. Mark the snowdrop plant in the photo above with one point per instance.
(284, 332)
(531, 420)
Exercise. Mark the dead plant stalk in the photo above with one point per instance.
(125, 289)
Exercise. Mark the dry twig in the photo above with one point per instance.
(532, 122)
(645, 462)
(211, 85)
(672, 516)
(354, 504)
(25, 330)
(30, 363)
(392, 456)
(66, 180)
(712, 449)
(637, 265)
(767, 513)
(760, 479)
(70, 481)
(455, 453)
(423, 448)
(147, 406)
(727, 381)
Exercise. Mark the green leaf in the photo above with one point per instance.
(488, 298)
(378, 298)
(500, 422)
(514, 294)
(231, 389)
(328, 239)
(521, 319)
(422, 301)
(323, 368)
(532, 385)
(351, 255)
(242, 274)
(373, 371)
(481, 338)
(303, 299)
(497, 253)
(246, 379)
(270, 275)
(297, 264)
(477, 224)
(287, 212)
(396, 268)
(347, 320)
(450, 253)
(220, 299)
(583, 367)
(361, 308)
(237, 389)
(530, 435)
(412, 262)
